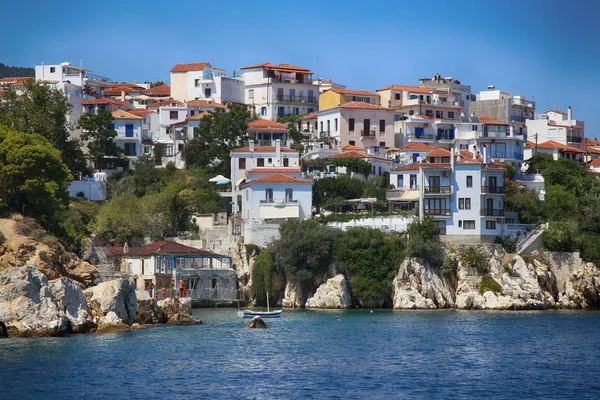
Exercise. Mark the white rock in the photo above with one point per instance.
(293, 296)
(417, 285)
(117, 296)
(332, 294)
(70, 298)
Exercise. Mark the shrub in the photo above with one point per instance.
(38, 234)
(423, 241)
(262, 274)
(22, 229)
(508, 244)
(51, 241)
(474, 257)
(2, 238)
(527, 258)
(251, 250)
(508, 269)
(80, 195)
(449, 266)
(489, 284)
(44, 256)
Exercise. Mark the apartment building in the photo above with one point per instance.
(415, 100)
(557, 126)
(202, 81)
(129, 134)
(461, 192)
(336, 97)
(461, 93)
(555, 149)
(273, 91)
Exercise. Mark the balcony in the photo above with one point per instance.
(507, 156)
(296, 99)
(422, 136)
(574, 139)
(492, 212)
(367, 133)
(445, 190)
(495, 134)
(437, 212)
(492, 189)
(517, 118)
(279, 209)
(522, 103)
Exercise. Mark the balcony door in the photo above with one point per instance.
(489, 205)
(434, 182)
(279, 94)
(493, 181)
(435, 206)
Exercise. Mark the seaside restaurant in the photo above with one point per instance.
(164, 263)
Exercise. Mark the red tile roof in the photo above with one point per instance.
(417, 146)
(263, 149)
(555, 111)
(360, 105)
(438, 153)
(168, 247)
(408, 167)
(262, 170)
(595, 162)
(354, 92)
(308, 116)
(357, 154)
(140, 112)
(19, 81)
(425, 105)
(163, 103)
(120, 114)
(491, 121)
(190, 67)
(114, 251)
(280, 67)
(552, 145)
(198, 116)
(259, 125)
(411, 89)
(101, 101)
(350, 147)
(162, 90)
(205, 103)
(279, 178)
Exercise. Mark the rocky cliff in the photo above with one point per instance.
(332, 294)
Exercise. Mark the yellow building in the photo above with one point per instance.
(336, 97)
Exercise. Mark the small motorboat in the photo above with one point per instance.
(262, 314)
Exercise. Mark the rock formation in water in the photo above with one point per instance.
(418, 285)
(117, 296)
(147, 310)
(256, 323)
(332, 294)
(168, 306)
(293, 296)
(27, 306)
(111, 323)
(69, 296)
(183, 319)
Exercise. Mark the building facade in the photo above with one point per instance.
(202, 81)
(557, 126)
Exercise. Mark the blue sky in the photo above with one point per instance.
(546, 50)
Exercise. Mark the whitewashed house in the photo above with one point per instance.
(129, 134)
(202, 81)
(557, 126)
(555, 149)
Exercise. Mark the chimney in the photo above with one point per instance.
(484, 155)
(462, 113)
(569, 115)
(122, 95)
(452, 159)
(251, 145)
(278, 150)
(512, 131)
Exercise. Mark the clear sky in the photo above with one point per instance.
(547, 50)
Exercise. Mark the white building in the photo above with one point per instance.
(129, 134)
(202, 81)
(273, 91)
(462, 93)
(557, 126)
(555, 149)
(463, 194)
(17, 84)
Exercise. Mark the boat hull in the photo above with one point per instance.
(262, 314)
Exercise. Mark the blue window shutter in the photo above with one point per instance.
(112, 127)
(418, 132)
(452, 133)
(440, 131)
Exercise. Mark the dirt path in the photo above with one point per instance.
(8, 229)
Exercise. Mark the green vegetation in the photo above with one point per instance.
(350, 163)
(474, 257)
(251, 250)
(489, 284)
(449, 267)
(262, 276)
(423, 241)
(15, 72)
(156, 83)
(292, 122)
(99, 136)
(508, 244)
(329, 192)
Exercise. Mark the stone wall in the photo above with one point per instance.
(261, 234)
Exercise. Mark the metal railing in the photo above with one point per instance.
(492, 189)
(522, 103)
(278, 201)
(517, 118)
(367, 133)
(492, 212)
(488, 134)
(433, 212)
(295, 99)
(574, 139)
(438, 189)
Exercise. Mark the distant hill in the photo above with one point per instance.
(12, 72)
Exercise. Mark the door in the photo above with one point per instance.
(279, 94)
(292, 94)
(367, 127)
(415, 157)
(434, 184)
(489, 205)
(493, 181)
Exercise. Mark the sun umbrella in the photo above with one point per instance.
(219, 180)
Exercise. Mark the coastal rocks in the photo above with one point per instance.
(117, 296)
(293, 297)
(27, 307)
(417, 285)
(168, 306)
(111, 323)
(70, 298)
(183, 319)
(332, 294)
(256, 323)
(583, 289)
(147, 310)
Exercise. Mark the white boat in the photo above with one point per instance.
(262, 314)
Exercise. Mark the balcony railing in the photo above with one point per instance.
(509, 155)
(492, 189)
(425, 136)
(517, 118)
(438, 189)
(522, 103)
(279, 202)
(296, 99)
(495, 134)
(492, 212)
(574, 139)
(367, 133)
(439, 212)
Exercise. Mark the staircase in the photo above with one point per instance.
(532, 241)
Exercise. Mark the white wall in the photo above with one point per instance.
(255, 210)
(133, 266)
(385, 224)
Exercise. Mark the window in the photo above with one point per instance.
(467, 203)
(429, 113)
(474, 128)
(460, 224)
(251, 93)
(286, 162)
(112, 127)
(321, 126)
(297, 110)
(336, 125)
(260, 162)
(400, 181)
(469, 181)
(328, 126)
(280, 111)
(269, 161)
(451, 114)
(52, 70)
(411, 112)
(490, 224)
(269, 195)
(192, 112)
(196, 82)
(263, 111)
(461, 204)
(397, 96)
(382, 126)
(351, 124)
(242, 163)
(438, 114)
(289, 195)
(382, 144)
(367, 126)
(128, 130)
(468, 224)
(207, 92)
(130, 149)
(413, 181)
(310, 110)
(397, 117)
(351, 142)
(412, 97)
(169, 151)
(173, 114)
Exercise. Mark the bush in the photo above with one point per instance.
(22, 229)
(80, 195)
(44, 256)
(508, 269)
(489, 284)
(51, 241)
(474, 257)
(262, 274)
(251, 250)
(423, 241)
(449, 266)
(508, 244)
(2, 238)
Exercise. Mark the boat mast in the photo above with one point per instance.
(267, 301)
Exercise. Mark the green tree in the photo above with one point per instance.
(157, 83)
(33, 178)
(559, 204)
(165, 212)
(423, 241)
(538, 162)
(523, 201)
(262, 276)
(99, 136)
(330, 191)
(121, 220)
(560, 236)
(43, 110)
(292, 122)
(218, 134)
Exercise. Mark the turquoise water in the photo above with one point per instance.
(310, 354)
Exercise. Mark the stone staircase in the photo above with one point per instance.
(532, 241)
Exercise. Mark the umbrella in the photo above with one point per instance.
(219, 180)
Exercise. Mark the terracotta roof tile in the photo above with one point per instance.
(118, 90)
(168, 247)
(308, 116)
(408, 167)
(266, 125)
(163, 103)
(438, 153)
(595, 162)
(197, 117)
(280, 67)
(552, 145)
(190, 67)
(162, 90)
(279, 178)
(100, 101)
(354, 92)
(120, 114)
(411, 89)
(417, 146)
(205, 103)
(350, 147)
(262, 170)
(263, 149)
(357, 154)
(555, 111)
(490, 121)
(360, 105)
(140, 112)
(18, 81)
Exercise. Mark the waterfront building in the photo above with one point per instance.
(462, 192)
(273, 91)
(202, 81)
(335, 97)
(557, 126)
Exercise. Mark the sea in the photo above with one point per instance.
(309, 354)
